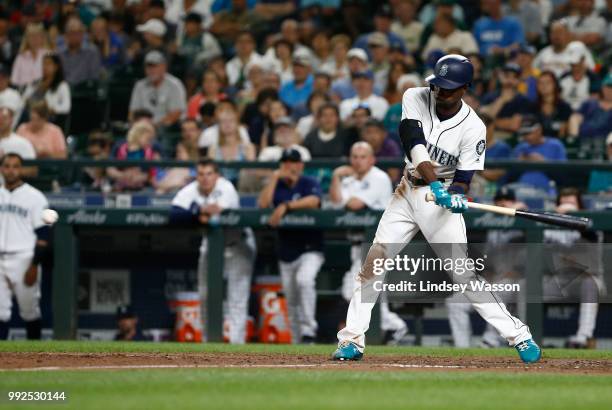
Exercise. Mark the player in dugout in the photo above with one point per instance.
(300, 251)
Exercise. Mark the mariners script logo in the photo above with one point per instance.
(443, 70)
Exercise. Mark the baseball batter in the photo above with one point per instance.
(444, 141)
(202, 201)
(23, 242)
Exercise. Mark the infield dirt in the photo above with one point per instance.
(80, 361)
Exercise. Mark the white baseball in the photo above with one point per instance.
(49, 216)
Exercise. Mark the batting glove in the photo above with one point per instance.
(441, 195)
(458, 204)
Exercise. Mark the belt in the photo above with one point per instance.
(420, 181)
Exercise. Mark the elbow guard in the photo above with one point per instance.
(413, 141)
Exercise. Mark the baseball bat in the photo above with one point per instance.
(551, 218)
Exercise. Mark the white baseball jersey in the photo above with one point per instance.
(559, 63)
(374, 189)
(20, 215)
(223, 194)
(455, 144)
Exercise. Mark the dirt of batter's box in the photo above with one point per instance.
(11, 361)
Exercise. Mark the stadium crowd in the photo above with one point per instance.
(245, 79)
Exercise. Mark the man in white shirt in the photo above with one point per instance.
(558, 55)
(354, 187)
(363, 82)
(587, 25)
(8, 96)
(285, 137)
(9, 141)
(245, 54)
(201, 202)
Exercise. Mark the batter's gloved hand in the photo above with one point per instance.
(458, 203)
(441, 195)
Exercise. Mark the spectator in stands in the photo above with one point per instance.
(8, 47)
(99, 146)
(363, 82)
(405, 25)
(594, 119)
(578, 84)
(52, 89)
(357, 62)
(211, 92)
(495, 33)
(529, 74)
(188, 145)
(382, 23)
(300, 252)
(194, 44)
(378, 47)
(47, 138)
(553, 111)
(537, 147)
(229, 25)
(139, 145)
(245, 54)
(255, 115)
(8, 95)
(159, 92)
(428, 13)
(337, 66)
(446, 36)
(308, 122)
(321, 83)
(178, 12)
(329, 139)
(81, 61)
(173, 179)
(375, 134)
(587, 25)
(558, 55)
(230, 146)
(527, 13)
(285, 137)
(393, 92)
(295, 93)
(402, 83)
(27, 67)
(9, 141)
(153, 37)
(109, 44)
(282, 60)
(496, 149)
(321, 47)
(507, 106)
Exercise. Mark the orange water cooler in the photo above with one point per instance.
(273, 319)
(188, 326)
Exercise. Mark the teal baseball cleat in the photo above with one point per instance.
(347, 351)
(529, 351)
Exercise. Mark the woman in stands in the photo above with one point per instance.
(47, 138)
(211, 92)
(27, 67)
(139, 145)
(553, 111)
(52, 89)
(230, 146)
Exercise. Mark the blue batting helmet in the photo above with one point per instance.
(452, 71)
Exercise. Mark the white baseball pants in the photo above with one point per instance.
(389, 321)
(237, 270)
(13, 267)
(299, 285)
(407, 213)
